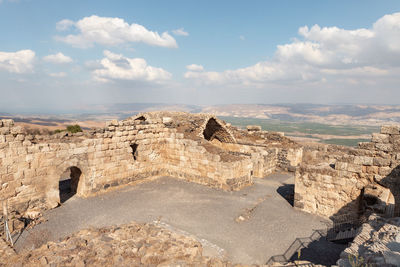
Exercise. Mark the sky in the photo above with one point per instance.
(61, 55)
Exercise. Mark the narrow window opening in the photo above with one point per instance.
(134, 151)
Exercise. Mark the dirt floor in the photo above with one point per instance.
(248, 226)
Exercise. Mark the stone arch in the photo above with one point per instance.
(52, 180)
(215, 130)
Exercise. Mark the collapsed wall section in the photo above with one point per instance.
(331, 179)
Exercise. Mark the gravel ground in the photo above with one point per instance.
(248, 226)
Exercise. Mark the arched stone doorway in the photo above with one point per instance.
(68, 184)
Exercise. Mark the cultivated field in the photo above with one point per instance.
(349, 135)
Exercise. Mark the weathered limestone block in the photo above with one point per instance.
(80, 150)
(372, 169)
(342, 166)
(7, 123)
(167, 120)
(381, 162)
(16, 130)
(384, 147)
(395, 140)
(361, 160)
(380, 138)
(354, 168)
(4, 130)
(25, 143)
(52, 198)
(384, 171)
(390, 129)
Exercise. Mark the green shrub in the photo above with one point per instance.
(357, 261)
(74, 128)
(58, 131)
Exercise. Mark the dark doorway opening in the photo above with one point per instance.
(68, 184)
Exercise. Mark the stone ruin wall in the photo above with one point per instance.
(264, 160)
(330, 179)
(377, 243)
(31, 166)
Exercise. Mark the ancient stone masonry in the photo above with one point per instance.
(377, 244)
(195, 147)
(334, 180)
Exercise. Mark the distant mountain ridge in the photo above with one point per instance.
(373, 115)
(328, 114)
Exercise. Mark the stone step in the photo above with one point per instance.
(343, 235)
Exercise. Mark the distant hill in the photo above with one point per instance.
(336, 124)
(373, 115)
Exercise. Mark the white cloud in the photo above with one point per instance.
(195, 67)
(180, 32)
(118, 67)
(241, 37)
(110, 32)
(327, 52)
(17, 62)
(58, 74)
(58, 58)
(64, 25)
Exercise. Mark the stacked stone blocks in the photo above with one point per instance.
(331, 178)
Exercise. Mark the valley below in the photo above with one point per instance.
(332, 124)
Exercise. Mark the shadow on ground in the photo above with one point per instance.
(315, 249)
(320, 252)
(287, 192)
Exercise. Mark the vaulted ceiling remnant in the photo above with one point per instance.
(214, 130)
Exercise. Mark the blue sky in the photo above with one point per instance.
(68, 54)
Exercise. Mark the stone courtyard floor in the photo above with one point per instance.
(268, 224)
